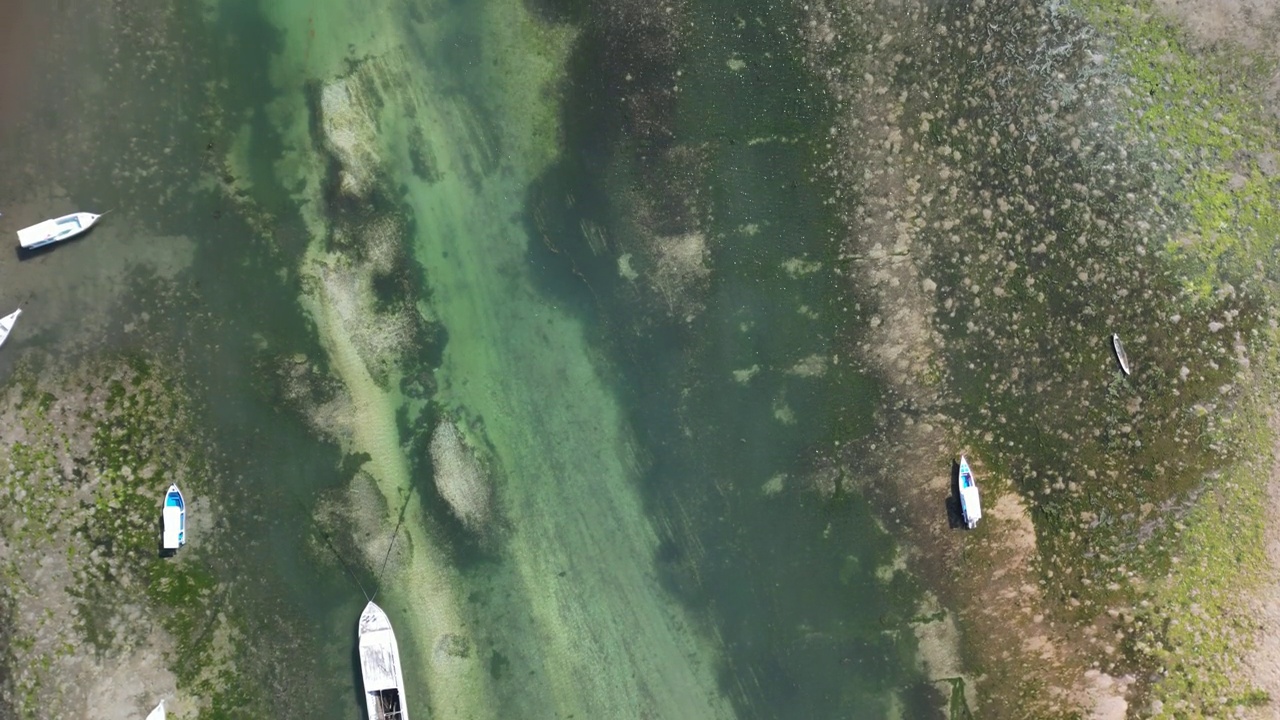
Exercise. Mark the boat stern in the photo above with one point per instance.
(173, 530)
(36, 235)
(971, 507)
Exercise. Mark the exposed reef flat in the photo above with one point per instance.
(96, 623)
(1018, 184)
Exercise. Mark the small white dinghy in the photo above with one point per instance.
(380, 666)
(158, 713)
(6, 324)
(970, 504)
(1121, 356)
(174, 515)
(56, 229)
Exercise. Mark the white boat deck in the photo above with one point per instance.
(970, 502)
(172, 527)
(174, 519)
(56, 229)
(1121, 355)
(380, 666)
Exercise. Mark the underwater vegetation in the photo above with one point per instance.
(1019, 181)
(95, 615)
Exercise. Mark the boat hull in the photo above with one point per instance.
(174, 517)
(55, 230)
(380, 666)
(970, 501)
(1122, 357)
(6, 324)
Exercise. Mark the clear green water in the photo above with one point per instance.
(642, 569)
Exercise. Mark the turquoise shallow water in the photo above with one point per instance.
(662, 547)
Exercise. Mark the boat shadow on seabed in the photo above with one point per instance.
(163, 551)
(357, 677)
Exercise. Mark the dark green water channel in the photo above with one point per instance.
(789, 579)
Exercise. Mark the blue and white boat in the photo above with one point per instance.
(175, 519)
(56, 229)
(970, 504)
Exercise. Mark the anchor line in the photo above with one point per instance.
(345, 566)
(391, 545)
(328, 542)
(394, 534)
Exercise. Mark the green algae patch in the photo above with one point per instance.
(107, 619)
(139, 446)
(1190, 624)
(1199, 113)
(1051, 177)
(1200, 110)
(957, 706)
(70, 471)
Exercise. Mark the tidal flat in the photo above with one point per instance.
(1041, 177)
(624, 352)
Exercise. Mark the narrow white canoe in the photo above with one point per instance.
(1121, 355)
(175, 519)
(56, 229)
(6, 324)
(970, 504)
(158, 713)
(380, 666)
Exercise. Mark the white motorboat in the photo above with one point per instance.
(1121, 355)
(56, 229)
(174, 515)
(380, 666)
(6, 324)
(158, 713)
(970, 503)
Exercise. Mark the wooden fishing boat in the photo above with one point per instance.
(6, 324)
(56, 229)
(174, 515)
(970, 503)
(380, 666)
(1121, 356)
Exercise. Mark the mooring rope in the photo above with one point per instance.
(346, 566)
(391, 545)
(329, 544)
